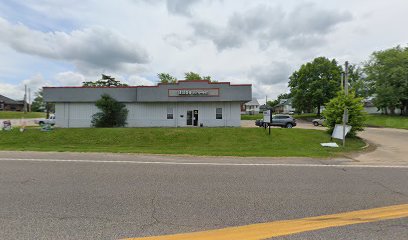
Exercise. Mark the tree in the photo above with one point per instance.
(387, 73)
(113, 113)
(358, 82)
(105, 81)
(281, 96)
(166, 78)
(193, 76)
(314, 84)
(39, 105)
(334, 110)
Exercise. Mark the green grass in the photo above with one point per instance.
(306, 116)
(374, 120)
(193, 141)
(18, 115)
(251, 117)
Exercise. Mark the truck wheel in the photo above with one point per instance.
(316, 124)
(289, 125)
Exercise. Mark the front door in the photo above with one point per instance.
(189, 118)
(195, 119)
(192, 118)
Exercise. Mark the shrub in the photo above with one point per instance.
(113, 113)
(335, 108)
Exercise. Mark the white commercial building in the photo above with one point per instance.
(181, 104)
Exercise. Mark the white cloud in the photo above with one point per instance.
(135, 80)
(259, 41)
(16, 91)
(305, 26)
(95, 47)
(270, 74)
(70, 78)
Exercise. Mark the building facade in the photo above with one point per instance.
(251, 107)
(8, 104)
(284, 106)
(181, 104)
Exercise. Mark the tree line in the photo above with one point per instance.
(384, 78)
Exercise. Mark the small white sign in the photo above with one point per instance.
(267, 116)
(330, 144)
(338, 131)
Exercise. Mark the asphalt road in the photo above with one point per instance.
(93, 199)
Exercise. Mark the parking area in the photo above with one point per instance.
(300, 124)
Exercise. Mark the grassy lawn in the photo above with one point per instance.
(194, 141)
(18, 115)
(388, 121)
(251, 117)
(306, 116)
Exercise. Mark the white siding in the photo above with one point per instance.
(153, 114)
(74, 115)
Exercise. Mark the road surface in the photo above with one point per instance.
(108, 196)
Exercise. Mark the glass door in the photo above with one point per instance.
(195, 119)
(189, 118)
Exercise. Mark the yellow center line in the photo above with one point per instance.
(267, 230)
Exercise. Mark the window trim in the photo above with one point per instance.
(218, 115)
(170, 113)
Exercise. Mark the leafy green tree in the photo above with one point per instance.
(272, 103)
(38, 104)
(358, 82)
(314, 84)
(334, 111)
(193, 76)
(387, 72)
(208, 78)
(113, 113)
(166, 78)
(105, 81)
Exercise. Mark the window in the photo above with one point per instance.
(169, 113)
(218, 113)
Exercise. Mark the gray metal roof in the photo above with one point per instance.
(208, 91)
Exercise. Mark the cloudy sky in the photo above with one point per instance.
(63, 43)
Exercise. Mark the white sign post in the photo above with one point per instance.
(267, 116)
(267, 119)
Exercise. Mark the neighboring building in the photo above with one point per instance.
(265, 107)
(284, 106)
(8, 104)
(370, 108)
(181, 104)
(251, 107)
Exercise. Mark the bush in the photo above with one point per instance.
(113, 113)
(335, 108)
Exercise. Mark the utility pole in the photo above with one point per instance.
(25, 98)
(29, 99)
(345, 114)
